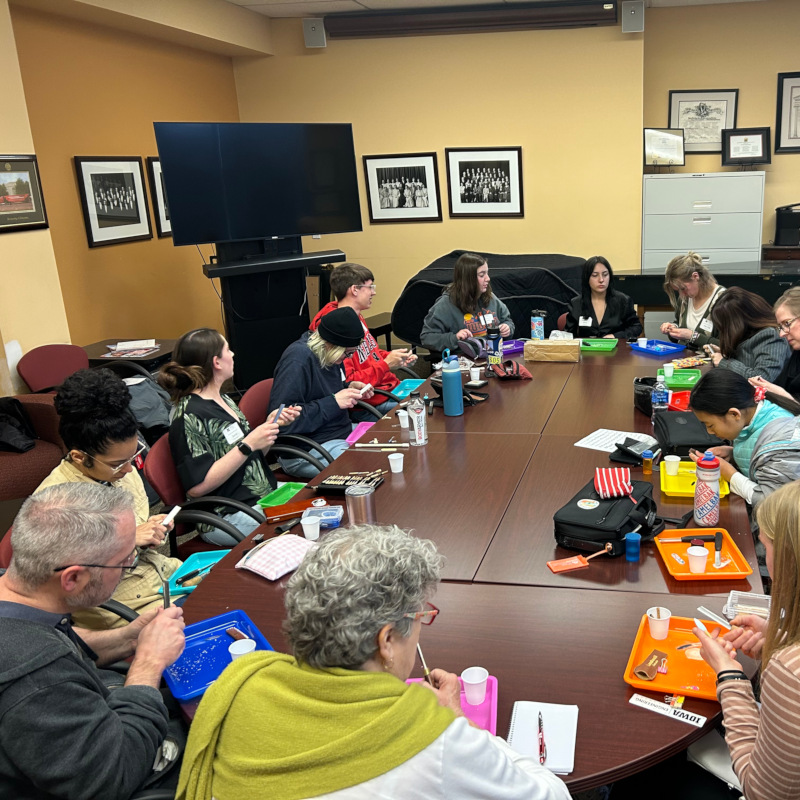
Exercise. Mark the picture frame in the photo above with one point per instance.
(787, 121)
(113, 199)
(664, 147)
(485, 181)
(158, 193)
(21, 200)
(403, 187)
(703, 114)
(745, 146)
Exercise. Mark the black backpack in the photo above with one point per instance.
(678, 432)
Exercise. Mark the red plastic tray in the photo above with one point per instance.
(484, 715)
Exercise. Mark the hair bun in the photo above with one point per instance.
(92, 392)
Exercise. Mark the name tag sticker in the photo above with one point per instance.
(585, 322)
(707, 325)
(233, 433)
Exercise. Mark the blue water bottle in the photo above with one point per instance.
(452, 393)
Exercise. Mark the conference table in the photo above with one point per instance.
(485, 489)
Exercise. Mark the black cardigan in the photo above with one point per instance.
(789, 378)
(619, 318)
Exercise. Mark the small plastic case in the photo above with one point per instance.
(329, 516)
(747, 603)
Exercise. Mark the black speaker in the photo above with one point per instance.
(787, 226)
(633, 16)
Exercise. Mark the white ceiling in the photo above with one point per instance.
(320, 8)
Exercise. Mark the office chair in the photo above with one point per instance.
(411, 308)
(45, 367)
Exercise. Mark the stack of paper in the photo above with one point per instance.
(560, 726)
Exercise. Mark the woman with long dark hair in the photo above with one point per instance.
(762, 426)
(749, 342)
(466, 308)
(601, 312)
(215, 451)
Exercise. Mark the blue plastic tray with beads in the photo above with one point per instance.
(329, 516)
(657, 347)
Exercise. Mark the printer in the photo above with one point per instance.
(787, 226)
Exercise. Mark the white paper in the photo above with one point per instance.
(134, 345)
(560, 725)
(606, 440)
(667, 710)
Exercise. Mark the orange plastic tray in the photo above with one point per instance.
(738, 568)
(684, 675)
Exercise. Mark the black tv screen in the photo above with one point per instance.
(229, 181)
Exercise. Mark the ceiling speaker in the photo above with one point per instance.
(633, 16)
(314, 32)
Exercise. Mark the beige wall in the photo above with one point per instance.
(94, 91)
(31, 307)
(571, 99)
(739, 46)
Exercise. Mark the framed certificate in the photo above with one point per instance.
(787, 126)
(703, 114)
(746, 146)
(664, 147)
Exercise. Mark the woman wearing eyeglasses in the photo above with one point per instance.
(340, 721)
(100, 433)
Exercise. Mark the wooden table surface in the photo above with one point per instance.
(485, 489)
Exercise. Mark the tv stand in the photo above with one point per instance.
(263, 290)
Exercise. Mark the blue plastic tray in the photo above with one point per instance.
(206, 653)
(404, 388)
(195, 561)
(658, 347)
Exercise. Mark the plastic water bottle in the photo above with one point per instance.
(706, 491)
(419, 424)
(537, 324)
(452, 393)
(494, 346)
(659, 398)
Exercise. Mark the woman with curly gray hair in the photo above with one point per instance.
(338, 721)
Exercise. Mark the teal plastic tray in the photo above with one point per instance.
(195, 561)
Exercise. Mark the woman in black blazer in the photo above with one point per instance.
(602, 312)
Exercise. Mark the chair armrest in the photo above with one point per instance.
(43, 416)
(408, 371)
(211, 501)
(198, 517)
(120, 609)
(387, 394)
(372, 410)
(296, 452)
(296, 439)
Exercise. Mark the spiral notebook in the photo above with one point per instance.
(560, 725)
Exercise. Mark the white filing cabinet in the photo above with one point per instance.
(716, 214)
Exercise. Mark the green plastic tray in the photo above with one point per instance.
(681, 378)
(599, 344)
(283, 494)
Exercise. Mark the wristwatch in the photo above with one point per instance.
(244, 448)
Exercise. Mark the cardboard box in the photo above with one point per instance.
(549, 350)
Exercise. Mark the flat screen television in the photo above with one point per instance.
(231, 181)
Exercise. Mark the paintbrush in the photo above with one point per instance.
(426, 672)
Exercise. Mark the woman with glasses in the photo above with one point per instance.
(787, 315)
(693, 292)
(100, 433)
(337, 718)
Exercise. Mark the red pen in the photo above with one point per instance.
(542, 745)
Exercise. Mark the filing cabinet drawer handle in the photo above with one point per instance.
(701, 220)
(702, 204)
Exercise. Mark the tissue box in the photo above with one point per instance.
(553, 350)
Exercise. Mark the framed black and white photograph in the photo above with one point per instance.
(159, 194)
(114, 199)
(745, 146)
(787, 125)
(485, 182)
(663, 147)
(703, 114)
(21, 200)
(403, 188)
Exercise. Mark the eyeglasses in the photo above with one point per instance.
(787, 323)
(371, 286)
(116, 469)
(425, 617)
(129, 567)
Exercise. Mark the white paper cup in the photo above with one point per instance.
(697, 559)
(669, 370)
(474, 680)
(658, 619)
(396, 462)
(474, 373)
(402, 415)
(642, 342)
(241, 647)
(310, 528)
(672, 464)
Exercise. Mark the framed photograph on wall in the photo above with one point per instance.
(113, 198)
(485, 182)
(663, 147)
(743, 146)
(21, 200)
(787, 124)
(403, 188)
(703, 114)
(159, 194)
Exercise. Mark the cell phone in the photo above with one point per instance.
(279, 412)
(635, 448)
(475, 384)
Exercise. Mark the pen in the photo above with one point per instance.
(193, 574)
(542, 745)
(425, 670)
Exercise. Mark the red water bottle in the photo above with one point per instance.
(706, 491)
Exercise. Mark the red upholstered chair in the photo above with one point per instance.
(5, 550)
(21, 473)
(562, 322)
(45, 367)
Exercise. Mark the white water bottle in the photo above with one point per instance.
(659, 398)
(419, 425)
(706, 491)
